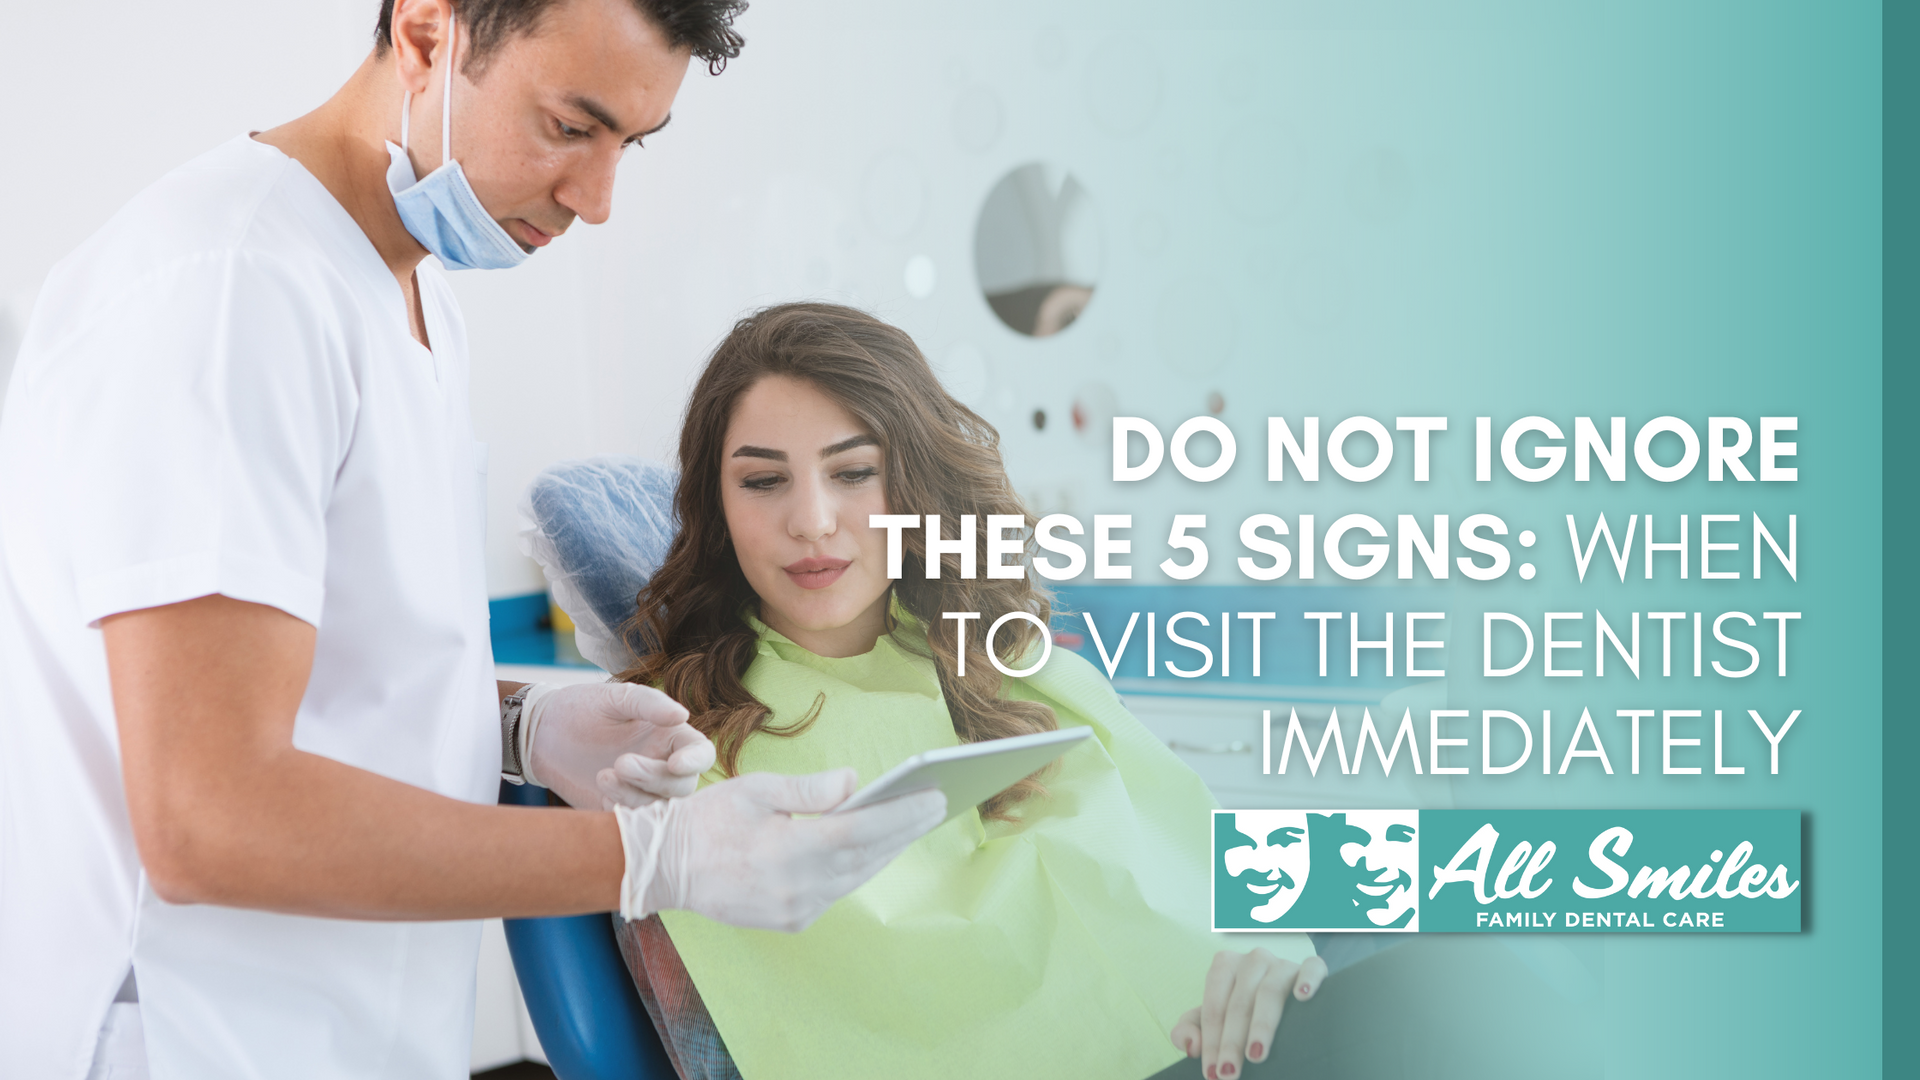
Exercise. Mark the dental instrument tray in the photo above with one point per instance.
(970, 773)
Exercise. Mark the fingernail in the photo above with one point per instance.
(1227, 1069)
(1256, 1051)
(1210, 1075)
(1305, 989)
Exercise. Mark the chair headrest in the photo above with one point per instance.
(599, 528)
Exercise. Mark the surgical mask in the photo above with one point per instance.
(441, 211)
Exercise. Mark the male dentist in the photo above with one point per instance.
(251, 736)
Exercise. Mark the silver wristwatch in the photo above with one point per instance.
(512, 769)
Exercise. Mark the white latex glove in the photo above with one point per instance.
(636, 780)
(734, 853)
(602, 744)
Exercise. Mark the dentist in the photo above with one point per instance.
(251, 736)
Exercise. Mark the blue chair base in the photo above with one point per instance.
(590, 1019)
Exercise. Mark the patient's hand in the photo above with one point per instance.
(1241, 1010)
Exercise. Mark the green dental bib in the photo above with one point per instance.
(1062, 944)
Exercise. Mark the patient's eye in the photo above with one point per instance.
(569, 131)
(762, 481)
(858, 474)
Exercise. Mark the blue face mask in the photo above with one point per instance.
(442, 212)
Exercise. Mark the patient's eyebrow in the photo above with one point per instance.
(845, 445)
(761, 452)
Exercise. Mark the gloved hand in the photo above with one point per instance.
(604, 744)
(733, 853)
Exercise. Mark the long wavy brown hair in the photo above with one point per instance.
(941, 458)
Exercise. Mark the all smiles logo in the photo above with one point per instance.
(1508, 870)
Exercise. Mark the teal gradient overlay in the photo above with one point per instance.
(1901, 589)
(1509, 210)
(1699, 851)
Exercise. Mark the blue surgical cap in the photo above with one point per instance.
(599, 529)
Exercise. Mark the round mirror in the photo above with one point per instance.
(1036, 249)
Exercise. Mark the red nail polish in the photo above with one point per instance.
(1256, 1051)
(1210, 1075)
(1227, 1069)
(1305, 989)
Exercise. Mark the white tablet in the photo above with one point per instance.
(970, 773)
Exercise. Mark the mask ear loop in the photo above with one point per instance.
(446, 102)
(446, 95)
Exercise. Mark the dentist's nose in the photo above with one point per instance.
(588, 191)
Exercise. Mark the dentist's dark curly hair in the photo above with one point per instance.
(941, 458)
(705, 27)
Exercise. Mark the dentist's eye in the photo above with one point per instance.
(569, 131)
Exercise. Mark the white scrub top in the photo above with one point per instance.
(218, 393)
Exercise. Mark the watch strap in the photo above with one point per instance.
(512, 710)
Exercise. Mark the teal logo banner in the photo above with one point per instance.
(1544, 871)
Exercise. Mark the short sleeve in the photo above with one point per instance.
(210, 411)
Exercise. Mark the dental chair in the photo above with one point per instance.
(590, 1020)
(599, 529)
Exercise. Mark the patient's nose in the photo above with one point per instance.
(814, 514)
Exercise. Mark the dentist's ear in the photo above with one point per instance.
(417, 34)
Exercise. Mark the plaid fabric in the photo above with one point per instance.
(686, 1029)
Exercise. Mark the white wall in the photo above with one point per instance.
(98, 100)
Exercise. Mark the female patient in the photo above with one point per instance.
(1060, 930)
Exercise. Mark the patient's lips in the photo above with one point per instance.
(817, 573)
